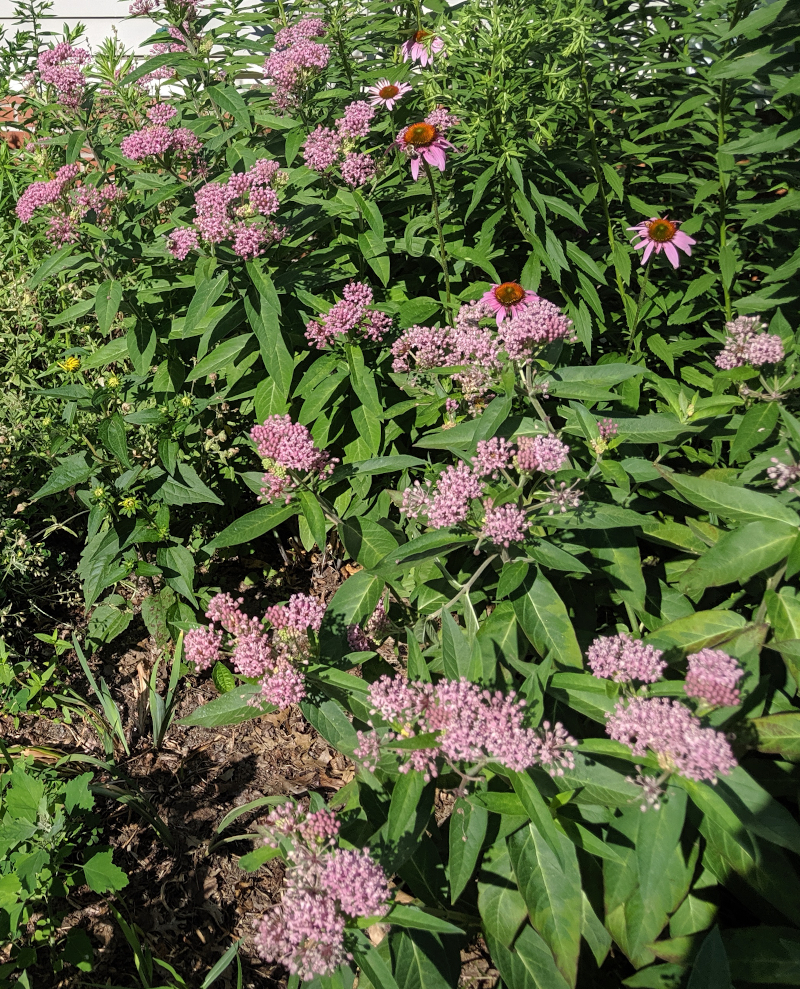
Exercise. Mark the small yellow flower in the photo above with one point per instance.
(113, 381)
(99, 492)
(186, 401)
(130, 505)
(71, 364)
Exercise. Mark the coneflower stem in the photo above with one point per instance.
(442, 249)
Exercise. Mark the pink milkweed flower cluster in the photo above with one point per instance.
(386, 94)
(421, 47)
(712, 677)
(448, 501)
(324, 887)
(71, 202)
(272, 656)
(295, 60)
(376, 627)
(62, 68)
(660, 234)
(782, 474)
(473, 727)
(238, 211)
(747, 343)
(174, 47)
(350, 316)
(161, 113)
(286, 446)
(519, 337)
(670, 730)
(425, 141)
(326, 146)
(164, 144)
(622, 658)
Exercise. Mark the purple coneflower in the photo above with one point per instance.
(419, 49)
(385, 93)
(424, 142)
(660, 234)
(508, 299)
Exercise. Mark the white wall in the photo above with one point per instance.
(100, 17)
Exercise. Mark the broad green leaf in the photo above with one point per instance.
(468, 823)
(405, 801)
(529, 965)
(702, 630)
(511, 576)
(419, 920)
(653, 879)
(376, 465)
(375, 968)
(618, 554)
(73, 470)
(106, 304)
(220, 357)
(764, 955)
(755, 428)
(112, 436)
(544, 619)
(739, 555)
(231, 708)
(331, 721)
(730, 501)
(500, 903)
(54, 263)
(223, 679)
(23, 797)
(102, 876)
(312, 512)
(249, 527)
(421, 961)
(779, 734)
(711, 969)
(205, 295)
(456, 649)
(783, 612)
(552, 893)
(366, 541)
(177, 565)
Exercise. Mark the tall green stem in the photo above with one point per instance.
(442, 249)
(600, 179)
(722, 137)
(639, 304)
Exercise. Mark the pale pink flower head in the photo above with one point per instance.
(660, 234)
(508, 299)
(386, 94)
(713, 678)
(423, 142)
(421, 47)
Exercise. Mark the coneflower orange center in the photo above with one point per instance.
(662, 231)
(418, 135)
(387, 92)
(421, 35)
(509, 293)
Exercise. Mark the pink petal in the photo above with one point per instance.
(651, 245)
(641, 244)
(435, 156)
(672, 254)
(683, 241)
(415, 168)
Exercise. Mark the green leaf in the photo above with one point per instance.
(177, 564)
(206, 294)
(756, 427)
(51, 265)
(538, 811)
(231, 708)
(500, 903)
(223, 679)
(468, 823)
(312, 512)
(375, 968)
(106, 304)
(366, 541)
(730, 501)
(544, 619)
(419, 920)
(249, 527)
(404, 805)
(77, 950)
(251, 861)
(511, 576)
(764, 955)
(552, 891)
(530, 965)
(617, 550)
(420, 961)
(112, 436)
(102, 875)
(739, 555)
(779, 734)
(331, 721)
(711, 969)
(22, 798)
(456, 649)
(652, 879)
(70, 472)
(77, 793)
(141, 340)
(220, 357)
(702, 630)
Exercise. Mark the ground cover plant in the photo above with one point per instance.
(488, 311)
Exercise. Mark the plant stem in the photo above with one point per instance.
(601, 185)
(639, 304)
(723, 189)
(442, 249)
